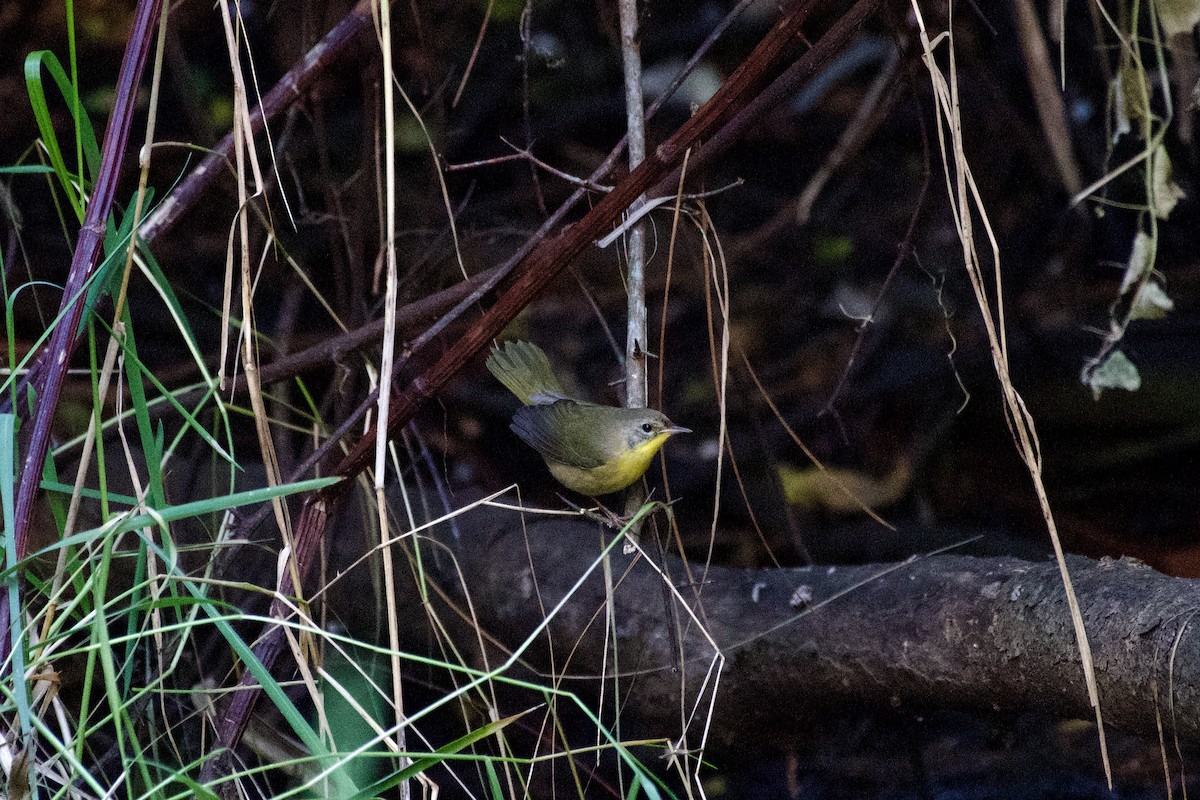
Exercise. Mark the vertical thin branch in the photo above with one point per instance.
(635, 123)
(636, 383)
(635, 135)
(387, 366)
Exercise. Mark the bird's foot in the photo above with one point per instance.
(600, 513)
(608, 517)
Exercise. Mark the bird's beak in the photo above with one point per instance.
(676, 429)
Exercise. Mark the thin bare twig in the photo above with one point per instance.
(636, 340)
(903, 252)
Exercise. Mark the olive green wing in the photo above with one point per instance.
(564, 431)
(525, 370)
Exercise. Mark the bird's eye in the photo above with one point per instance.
(647, 427)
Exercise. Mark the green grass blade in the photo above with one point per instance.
(8, 444)
(421, 764)
(184, 510)
(35, 63)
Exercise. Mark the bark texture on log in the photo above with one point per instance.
(948, 632)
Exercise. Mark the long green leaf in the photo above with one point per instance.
(8, 444)
(421, 764)
(35, 62)
(185, 510)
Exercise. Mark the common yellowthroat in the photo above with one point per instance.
(589, 448)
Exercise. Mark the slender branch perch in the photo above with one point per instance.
(635, 135)
(636, 340)
(940, 632)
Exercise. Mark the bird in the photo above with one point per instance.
(589, 448)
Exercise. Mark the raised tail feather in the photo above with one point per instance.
(525, 370)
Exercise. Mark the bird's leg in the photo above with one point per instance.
(599, 514)
(612, 519)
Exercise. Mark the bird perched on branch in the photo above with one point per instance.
(589, 448)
